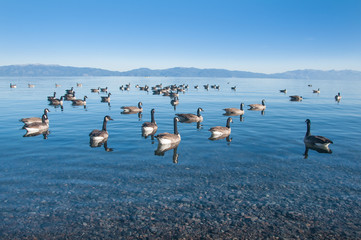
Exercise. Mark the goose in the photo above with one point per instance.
(170, 138)
(317, 141)
(151, 127)
(30, 120)
(106, 98)
(56, 101)
(310, 85)
(70, 96)
(99, 135)
(283, 90)
(133, 109)
(52, 97)
(234, 88)
(104, 89)
(38, 126)
(79, 101)
(95, 89)
(12, 85)
(237, 111)
(296, 98)
(174, 101)
(31, 85)
(219, 131)
(258, 106)
(316, 91)
(189, 117)
(70, 91)
(338, 97)
(196, 87)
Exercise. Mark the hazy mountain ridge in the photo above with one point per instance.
(38, 70)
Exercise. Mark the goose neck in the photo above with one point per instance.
(104, 125)
(175, 127)
(308, 133)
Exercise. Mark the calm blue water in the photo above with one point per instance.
(259, 185)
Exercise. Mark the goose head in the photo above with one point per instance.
(140, 104)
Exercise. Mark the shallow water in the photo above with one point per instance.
(258, 185)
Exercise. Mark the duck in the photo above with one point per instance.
(234, 88)
(189, 117)
(219, 131)
(79, 84)
(106, 98)
(12, 85)
(258, 106)
(338, 97)
(283, 90)
(52, 97)
(296, 98)
(31, 85)
(133, 109)
(30, 120)
(237, 111)
(318, 141)
(170, 138)
(56, 101)
(100, 135)
(95, 89)
(151, 127)
(316, 91)
(38, 126)
(79, 102)
(57, 85)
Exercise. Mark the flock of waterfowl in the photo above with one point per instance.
(36, 125)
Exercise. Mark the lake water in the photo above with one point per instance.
(258, 185)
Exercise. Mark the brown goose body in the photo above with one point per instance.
(296, 98)
(219, 131)
(106, 98)
(56, 101)
(235, 111)
(133, 109)
(258, 106)
(30, 120)
(190, 117)
(79, 102)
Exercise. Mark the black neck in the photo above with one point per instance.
(308, 133)
(175, 126)
(152, 117)
(228, 125)
(199, 112)
(104, 125)
(241, 106)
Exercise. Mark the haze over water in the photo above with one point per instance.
(258, 185)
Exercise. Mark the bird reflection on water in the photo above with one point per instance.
(45, 134)
(316, 148)
(162, 148)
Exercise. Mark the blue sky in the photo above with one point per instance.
(266, 36)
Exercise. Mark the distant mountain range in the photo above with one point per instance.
(38, 70)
